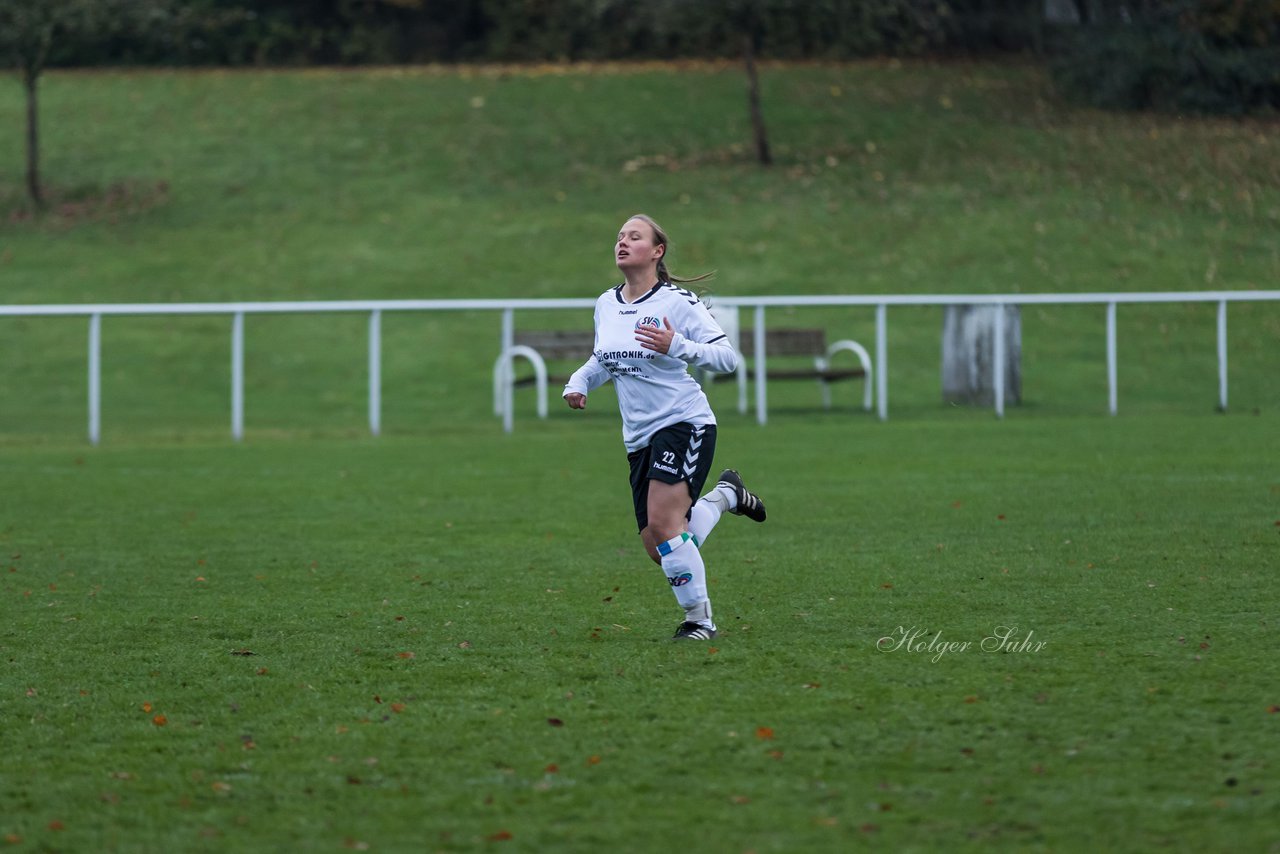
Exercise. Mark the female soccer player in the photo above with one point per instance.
(649, 330)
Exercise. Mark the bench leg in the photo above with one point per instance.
(824, 387)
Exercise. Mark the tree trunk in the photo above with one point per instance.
(31, 79)
(753, 99)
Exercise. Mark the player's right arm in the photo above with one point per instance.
(591, 375)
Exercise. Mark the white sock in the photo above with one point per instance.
(704, 515)
(687, 575)
(707, 511)
(726, 497)
(702, 518)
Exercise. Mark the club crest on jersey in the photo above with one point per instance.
(649, 321)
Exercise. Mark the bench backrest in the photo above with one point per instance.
(577, 344)
(786, 342)
(558, 343)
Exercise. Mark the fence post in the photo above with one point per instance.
(375, 371)
(882, 362)
(1111, 358)
(237, 376)
(95, 378)
(502, 397)
(762, 406)
(1222, 355)
(997, 359)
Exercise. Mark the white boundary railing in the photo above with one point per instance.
(507, 308)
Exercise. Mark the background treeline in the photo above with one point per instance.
(1201, 55)
(307, 32)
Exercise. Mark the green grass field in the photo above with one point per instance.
(448, 638)
(456, 638)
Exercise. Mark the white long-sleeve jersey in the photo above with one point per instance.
(655, 390)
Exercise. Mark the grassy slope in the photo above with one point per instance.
(407, 183)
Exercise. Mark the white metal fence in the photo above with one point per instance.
(507, 309)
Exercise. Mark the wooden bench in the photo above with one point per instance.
(571, 347)
(798, 342)
(555, 345)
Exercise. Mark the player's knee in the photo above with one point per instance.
(650, 545)
(662, 530)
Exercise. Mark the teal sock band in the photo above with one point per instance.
(674, 543)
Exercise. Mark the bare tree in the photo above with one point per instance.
(28, 29)
(753, 97)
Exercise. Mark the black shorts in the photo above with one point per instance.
(679, 452)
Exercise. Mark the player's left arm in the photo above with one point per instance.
(694, 337)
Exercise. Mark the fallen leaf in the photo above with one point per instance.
(552, 768)
(13, 839)
(593, 759)
(764, 733)
(262, 671)
(160, 720)
(740, 799)
(397, 707)
(355, 844)
(712, 650)
(555, 721)
(500, 836)
(220, 786)
(243, 652)
(405, 655)
(1274, 709)
(465, 645)
(775, 754)
(971, 699)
